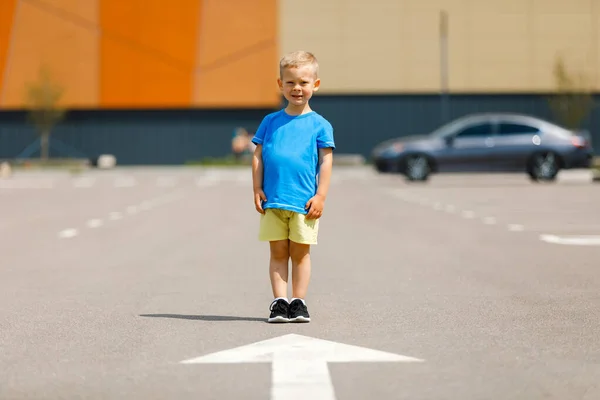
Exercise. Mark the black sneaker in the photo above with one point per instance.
(298, 311)
(279, 311)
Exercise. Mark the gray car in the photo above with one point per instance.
(492, 142)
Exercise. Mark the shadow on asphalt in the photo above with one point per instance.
(205, 317)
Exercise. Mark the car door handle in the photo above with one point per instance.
(489, 142)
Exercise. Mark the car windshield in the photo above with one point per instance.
(444, 130)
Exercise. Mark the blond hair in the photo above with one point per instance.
(298, 59)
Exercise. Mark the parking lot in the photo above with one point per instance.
(117, 284)
(567, 208)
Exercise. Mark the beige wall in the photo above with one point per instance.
(393, 45)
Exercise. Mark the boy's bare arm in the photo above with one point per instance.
(326, 165)
(257, 168)
(316, 204)
(257, 179)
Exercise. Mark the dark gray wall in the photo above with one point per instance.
(177, 136)
(135, 137)
(361, 122)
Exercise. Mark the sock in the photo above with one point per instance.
(302, 300)
(281, 298)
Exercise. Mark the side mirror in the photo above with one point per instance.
(449, 140)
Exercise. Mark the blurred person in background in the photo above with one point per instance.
(239, 142)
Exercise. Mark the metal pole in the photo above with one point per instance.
(594, 88)
(444, 64)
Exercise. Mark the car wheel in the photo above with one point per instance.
(544, 167)
(417, 168)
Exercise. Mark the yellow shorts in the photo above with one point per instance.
(276, 224)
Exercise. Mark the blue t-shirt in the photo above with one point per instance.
(290, 155)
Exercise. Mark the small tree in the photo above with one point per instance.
(573, 100)
(43, 99)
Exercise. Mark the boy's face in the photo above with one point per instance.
(298, 84)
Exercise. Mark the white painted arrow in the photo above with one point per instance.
(590, 240)
(299, 363)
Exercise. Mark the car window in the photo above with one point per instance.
(506, 128)
(477, 130)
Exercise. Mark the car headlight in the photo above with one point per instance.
(388, 149)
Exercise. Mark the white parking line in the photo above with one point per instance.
(115, 216)
(94, 223)
(582, 240)
(132, 209)
(563, 239)
(67, 233)
(27, 184)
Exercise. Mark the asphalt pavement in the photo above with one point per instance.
(150, 283)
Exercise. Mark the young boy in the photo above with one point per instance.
(294, 147)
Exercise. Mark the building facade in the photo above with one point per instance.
(188, 67)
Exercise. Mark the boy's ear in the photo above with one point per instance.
(280, 83)
(317, 84)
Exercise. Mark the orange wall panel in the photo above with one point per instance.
(147, 52)
(237, 58)
(7, 11)
(59, 34)
(143, 53)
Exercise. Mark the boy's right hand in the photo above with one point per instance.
(259, 197)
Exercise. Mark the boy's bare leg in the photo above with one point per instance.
(301, 268)
(278, 267)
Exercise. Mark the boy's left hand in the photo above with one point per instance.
(315, 207)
